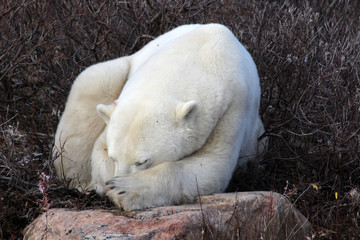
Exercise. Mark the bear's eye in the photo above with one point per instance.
(142, 162)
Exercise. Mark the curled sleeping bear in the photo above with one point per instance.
(165, 124)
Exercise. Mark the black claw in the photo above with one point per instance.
(112, 187)
(122, 192)
(109, 182)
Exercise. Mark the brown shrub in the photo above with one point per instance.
(308, 57)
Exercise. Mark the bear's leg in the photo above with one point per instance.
(80, 125)
(172, 182)
(102, 167)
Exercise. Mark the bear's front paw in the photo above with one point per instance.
(135, 192)
(98, 188)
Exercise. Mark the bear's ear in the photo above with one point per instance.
(186, 110)
(105, 111)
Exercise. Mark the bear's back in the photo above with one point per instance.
(140, 57)
(195, 62)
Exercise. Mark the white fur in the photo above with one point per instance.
(185, 115)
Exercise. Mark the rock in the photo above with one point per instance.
(247, 215)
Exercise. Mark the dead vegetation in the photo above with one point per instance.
(308, 57)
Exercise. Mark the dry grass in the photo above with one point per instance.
(308, 57)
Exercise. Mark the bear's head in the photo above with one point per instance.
(141, 134)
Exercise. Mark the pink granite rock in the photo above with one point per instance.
(247, 215)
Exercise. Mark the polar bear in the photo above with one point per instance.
(165, 124)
